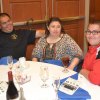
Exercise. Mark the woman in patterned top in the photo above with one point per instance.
(56, 44)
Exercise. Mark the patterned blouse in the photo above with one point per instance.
(66, 46)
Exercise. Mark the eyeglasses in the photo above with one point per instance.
(94, 32)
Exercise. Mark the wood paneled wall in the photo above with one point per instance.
(22, 10)
(94, 10)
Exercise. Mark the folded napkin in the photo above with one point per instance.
(80, 93)
(3, 61)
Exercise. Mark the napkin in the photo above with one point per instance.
(55, 62)
(3, 61)
(80, 93)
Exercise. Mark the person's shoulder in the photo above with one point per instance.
(66, 35)
(43, 37)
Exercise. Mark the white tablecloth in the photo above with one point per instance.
(33, 90)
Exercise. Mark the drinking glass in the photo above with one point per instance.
(44, 75)
(10, 62)
(22, 62)
(56, 85)
(22, 76)
(65, 61)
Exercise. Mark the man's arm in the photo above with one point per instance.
(40, 33)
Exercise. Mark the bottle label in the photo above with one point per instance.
(10, 76)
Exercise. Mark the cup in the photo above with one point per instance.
(65, 61)
(22, 75)
(22, 62)
(10, 62)
(44, 75)
(56, 85)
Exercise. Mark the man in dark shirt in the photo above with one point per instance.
(14, 42)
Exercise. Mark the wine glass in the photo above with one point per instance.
(44, 75)
(56, 85)
(65, 61)
(10, 62)
(21, 77)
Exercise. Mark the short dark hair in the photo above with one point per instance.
(95, 22)
(4, 14)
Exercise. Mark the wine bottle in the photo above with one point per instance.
(12, 93)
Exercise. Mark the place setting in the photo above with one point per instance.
(70, 89)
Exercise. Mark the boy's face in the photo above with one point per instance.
(6, 24)
(93, 34)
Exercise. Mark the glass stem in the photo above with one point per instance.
(57, 95)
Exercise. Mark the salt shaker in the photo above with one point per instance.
(22, 94)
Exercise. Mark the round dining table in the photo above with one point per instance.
(33, 90)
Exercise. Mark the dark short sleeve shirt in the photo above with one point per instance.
(15, 43)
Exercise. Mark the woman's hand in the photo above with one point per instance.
(35, 59)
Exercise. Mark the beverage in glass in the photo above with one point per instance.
(44, 75)
(65, 61)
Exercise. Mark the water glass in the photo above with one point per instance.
(22, 76)
(56, 85)
(65, 61)
(10, 62)
(44, 75)
(22, 62)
